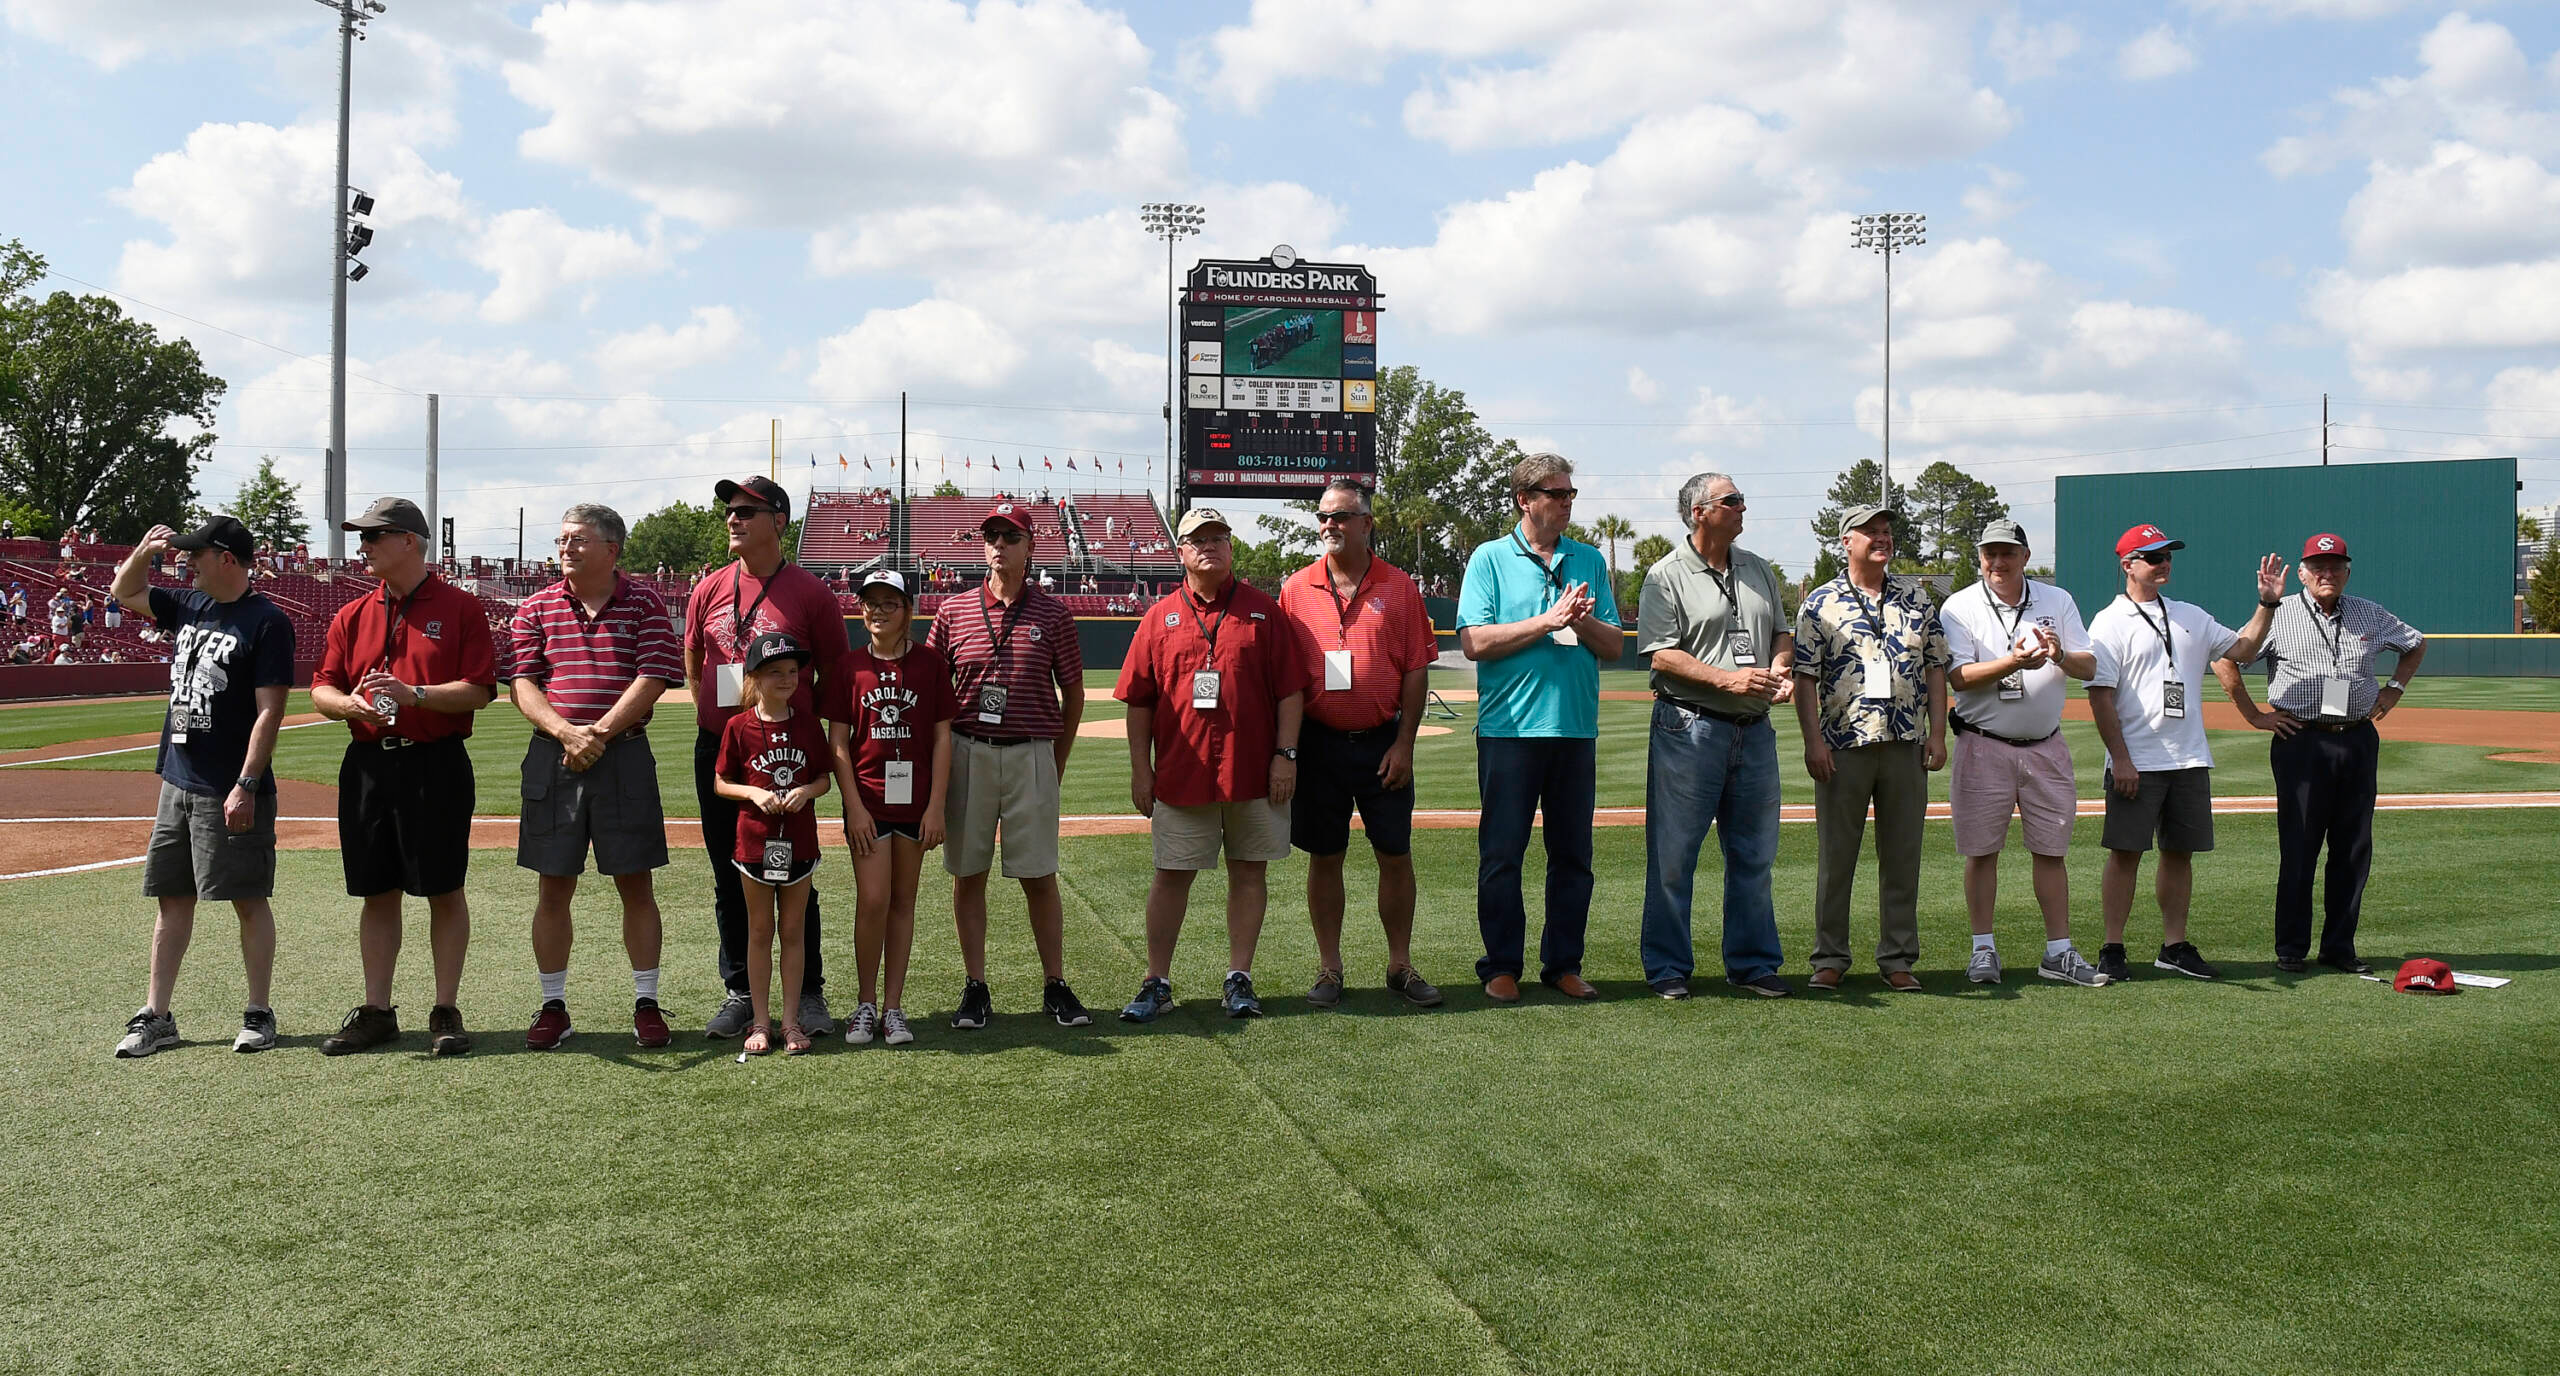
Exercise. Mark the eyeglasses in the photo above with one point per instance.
(1205, 540)
(748, 513)
(573, 542)
(1560, 493)
(1003, 537)
(366, 537)
(1338, 517)
(1731, 499)
(2152, 556)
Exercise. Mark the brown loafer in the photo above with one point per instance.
(1902, 982)
(1502, 989)
(1825, 979)
(1573, 986)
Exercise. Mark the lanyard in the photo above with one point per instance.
(1730, 586)
(2160, 628)
(1873, 616)
(2026, 600)
(399, 614)
(1554, 571)
(737, 588)
(1208, 628)
(1012, 621)
(2338, 644)
(1342, 609)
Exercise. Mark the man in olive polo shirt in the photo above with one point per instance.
(1722, 653)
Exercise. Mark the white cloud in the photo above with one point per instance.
(2464, 206)
(535, 254)
(1642, 387)
(2119, 337)
(2155, 54)
(1995, 197)
(2506, 306)
(114, 35)
(1726, 422)
(2301, 9)
(928, 343)
(710, 333)
(2030, 52)
(2473, 84)
(798, 113)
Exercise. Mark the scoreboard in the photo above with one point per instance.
(1280, 369)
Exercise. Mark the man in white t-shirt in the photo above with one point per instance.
(2011, 643)
(2148, 701)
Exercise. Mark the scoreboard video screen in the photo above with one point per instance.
(1279, 378)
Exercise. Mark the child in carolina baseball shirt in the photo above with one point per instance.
(774, 763)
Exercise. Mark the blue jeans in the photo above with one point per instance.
(1701, 772)
(1517, 776)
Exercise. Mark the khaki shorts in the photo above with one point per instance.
(1188, 838)
(1010, 789)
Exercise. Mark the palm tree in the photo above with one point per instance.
(1613, 528)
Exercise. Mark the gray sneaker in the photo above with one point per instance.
(146, 1032)
(731, 1017)
(1327, 992)
(2069, 968)
(1985, 967)
(815, 1019)
(257, 1030)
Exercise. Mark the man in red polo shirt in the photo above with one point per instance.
(1362, 620)
(405, 667)
(592, 653)
(760, 591)
(1215, 686)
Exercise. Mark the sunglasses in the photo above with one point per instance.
(748, 513)
(1561, 493)
(1338, 517)
(366, 537)
(1731, 499)
(2152, 556)
(1002, 537)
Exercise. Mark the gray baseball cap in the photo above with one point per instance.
(1857, 516)
(2002, 532)
(391, 513)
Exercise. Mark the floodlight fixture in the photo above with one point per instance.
(359, 202)
(1885, 234)
(1171, 221)
(359, 239)
(356, 272)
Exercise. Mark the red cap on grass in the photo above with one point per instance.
(2424, 976)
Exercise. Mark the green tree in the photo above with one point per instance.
(680, 535)
(271, 507)
(1858, 485)
(948, 488)
(1611, 529)
(1648, 552)
(26, 520)
(2527, 528)
(88, 403)
(1949, 508)
(2542, 595)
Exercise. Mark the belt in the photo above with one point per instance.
(2338, 725)
(1728, 718)
(1961, 724)
(404, 743)
(999, 741)
(627, 734)
(1384, 728)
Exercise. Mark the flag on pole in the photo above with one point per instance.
(1045, 463)
(968, 463)
(1017, 464)
(1124, 465)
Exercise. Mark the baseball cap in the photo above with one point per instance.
(2002, 532)
(1006, 514)
(2424, 976)
(763, 489)
(773, 645)
(1859, 515)
(223, 533)
(2325, 546)
(891, 579)
(1200, 518)
(390, 513)
(2145, 537)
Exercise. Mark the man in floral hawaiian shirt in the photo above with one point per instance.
(1877, 659)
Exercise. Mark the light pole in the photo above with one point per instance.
(352, 15)
(1888, 233)
(1172, 222)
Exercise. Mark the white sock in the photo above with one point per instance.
(1982, 941)
(2056, 947)
(555, 985)
(1231, 974)
(644, 983)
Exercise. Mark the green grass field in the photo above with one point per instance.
(2269, 1174)
(1098, 775)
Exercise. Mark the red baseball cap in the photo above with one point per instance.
(2326, 546)
(760, 487)
(1004, 513)
(2145, 537)
(2424, 976)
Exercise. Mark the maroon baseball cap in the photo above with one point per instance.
(2424, 976)
(2325, 546)
(763, 489)
(1005, 513)
(2145, 537)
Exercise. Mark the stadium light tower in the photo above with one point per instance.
(1888, 233)
(1172, 222)
(352, 16)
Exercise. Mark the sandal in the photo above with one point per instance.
(794, 1039)
(759, 1041)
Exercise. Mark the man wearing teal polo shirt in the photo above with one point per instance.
(1535, 610)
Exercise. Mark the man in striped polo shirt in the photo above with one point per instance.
(2323, 698)
(590, 656)
(1018, 675)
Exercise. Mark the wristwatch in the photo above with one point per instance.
(1286, 752)
(2265, 603)
(249, 782)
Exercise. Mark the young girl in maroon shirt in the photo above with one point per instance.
(774, 763)
(892, 741)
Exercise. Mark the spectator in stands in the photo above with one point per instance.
(590, 655)
(8, 529)
(1018, 674)
(762, 591)
(115, 615)
(1048, 581)
(406, 668)
(18, 600)
(215, 835)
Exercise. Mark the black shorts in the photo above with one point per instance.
(612, 804)
(1338, 772)
(913, 831)
(2174, 805)
(404, 817)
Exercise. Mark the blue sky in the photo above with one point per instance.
(625, 240)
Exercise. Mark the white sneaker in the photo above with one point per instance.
(895, 1024)
(146, 1032)
(1985, 967)
(2069, 968)
(860, 1028)
(257, 1030)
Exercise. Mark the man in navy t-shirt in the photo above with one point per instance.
(230, 667)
